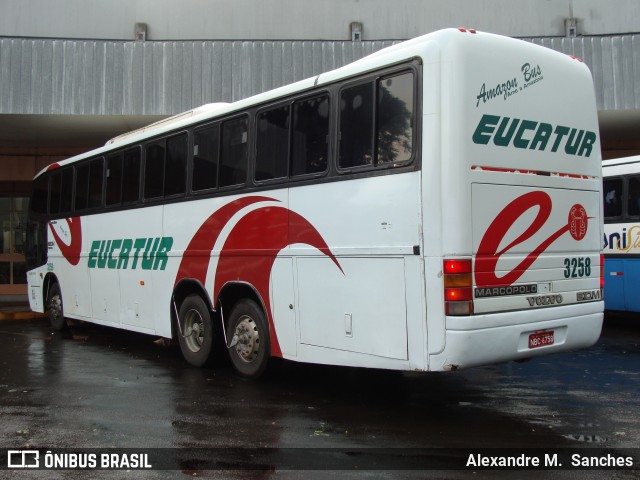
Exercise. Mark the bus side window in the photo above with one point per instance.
(131, 176)
(382, 135)
(272, 143)
(96, 181)
(395, 113)
(310, 147)
(61, 191)
(154, 170)
(612, 193)
(234, 154)
(114, 180)
(206, 148)
(66, 191)
(82, 187)
(356, 126)
(54, 193)
(633, 207)
(40, 192)
(175, 166)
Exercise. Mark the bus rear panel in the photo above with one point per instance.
(521, 200)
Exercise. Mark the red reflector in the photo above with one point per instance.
(457, 266)
(458, 294)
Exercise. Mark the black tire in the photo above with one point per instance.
(55, 308)
(252, 351)
(196, 338)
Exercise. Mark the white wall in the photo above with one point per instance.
(308, 19)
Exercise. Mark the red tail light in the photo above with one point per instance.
(458, 294)
(457, 266)
(601, 271)
(458, 287)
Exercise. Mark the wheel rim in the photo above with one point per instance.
(248, 345)
(194, 330)
(55, 307)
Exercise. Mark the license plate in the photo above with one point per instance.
(541, 339)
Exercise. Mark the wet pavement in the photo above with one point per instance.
(95, 387)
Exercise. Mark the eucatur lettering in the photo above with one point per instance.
(532, 135)
(129, 253)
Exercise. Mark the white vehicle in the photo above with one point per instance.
(621, 195)
(433, 206)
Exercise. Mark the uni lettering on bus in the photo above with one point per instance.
(532, 135)
(128, 253)
(626, 241)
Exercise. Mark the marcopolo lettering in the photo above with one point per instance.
(128, 253)
(506, 291)
(528, 134)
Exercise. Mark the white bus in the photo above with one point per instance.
(621, 195)
(433, 206)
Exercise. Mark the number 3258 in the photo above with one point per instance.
(577, 267)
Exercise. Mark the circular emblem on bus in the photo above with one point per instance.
(578, 222)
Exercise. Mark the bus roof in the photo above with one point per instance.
(387, 56)
(620, 161)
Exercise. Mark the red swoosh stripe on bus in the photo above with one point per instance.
(488, 253)
(197, 256)
(71, 251)
(252, 246)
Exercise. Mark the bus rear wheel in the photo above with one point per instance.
(196, 335)
(248, 333)
(55, 308)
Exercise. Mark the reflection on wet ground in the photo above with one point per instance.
(98, 387)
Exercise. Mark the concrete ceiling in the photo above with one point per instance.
(35, 132)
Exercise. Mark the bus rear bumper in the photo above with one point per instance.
(522, 335)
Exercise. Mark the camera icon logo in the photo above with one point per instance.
(23, 459)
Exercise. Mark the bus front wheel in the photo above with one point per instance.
(195, 331)
(248, 333)
(56, 311)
